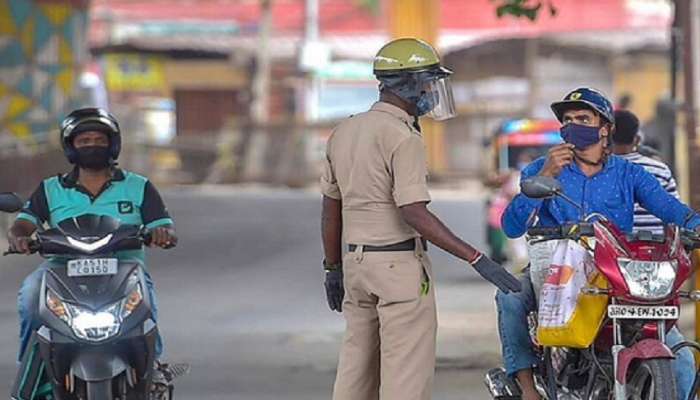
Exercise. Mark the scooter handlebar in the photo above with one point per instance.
(34, 246)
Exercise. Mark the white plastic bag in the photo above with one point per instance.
(569, 271)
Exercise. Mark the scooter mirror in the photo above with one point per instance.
(540, 187)
(10, 202)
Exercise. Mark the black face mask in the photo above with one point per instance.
(93, 157)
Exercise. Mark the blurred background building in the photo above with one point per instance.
(248, 90)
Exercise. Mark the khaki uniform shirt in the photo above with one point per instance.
(375, 163)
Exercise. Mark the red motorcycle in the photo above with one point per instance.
(628, 359)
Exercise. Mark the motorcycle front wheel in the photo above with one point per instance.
(99, 390)
(652, 380)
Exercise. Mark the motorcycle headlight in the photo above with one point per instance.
(649, 280)
(95, 326)
(87, 325)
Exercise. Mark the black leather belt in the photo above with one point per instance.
(407, 245)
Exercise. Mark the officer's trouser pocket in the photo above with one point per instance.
(401, 277)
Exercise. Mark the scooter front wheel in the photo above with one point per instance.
(99, 390)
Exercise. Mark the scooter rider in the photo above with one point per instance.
(375, 195)
(91, 140)
(603, 183)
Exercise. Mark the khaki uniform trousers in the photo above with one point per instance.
(388, 351)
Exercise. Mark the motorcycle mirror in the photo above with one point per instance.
(540, 187)
(10, 202)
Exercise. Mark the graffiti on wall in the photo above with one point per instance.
(42, 46)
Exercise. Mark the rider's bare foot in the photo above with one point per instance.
(527, 385)
(531, 395)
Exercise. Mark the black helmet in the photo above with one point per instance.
(90, 119)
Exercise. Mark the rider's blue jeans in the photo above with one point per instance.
(518, 352)
(28, 307)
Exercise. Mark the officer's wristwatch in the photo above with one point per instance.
(328, 267)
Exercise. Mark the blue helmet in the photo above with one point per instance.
(586, 97)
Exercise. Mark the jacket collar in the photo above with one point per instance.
(70, 180)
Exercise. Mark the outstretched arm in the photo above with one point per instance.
(431, 228)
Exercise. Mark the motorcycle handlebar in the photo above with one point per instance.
(544, 231)
(690, 238)
(567, 231)
(34, 246)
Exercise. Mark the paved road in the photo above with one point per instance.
(241, 299)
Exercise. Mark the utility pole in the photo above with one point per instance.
(255, 167)
(420, 19)
(261, 80)
(688, 12)
(311, 43)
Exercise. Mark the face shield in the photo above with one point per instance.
(436, 100)
(439, 92)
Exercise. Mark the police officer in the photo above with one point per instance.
(375, 197)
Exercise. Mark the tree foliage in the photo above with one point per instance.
(372, 5)
(529, 9)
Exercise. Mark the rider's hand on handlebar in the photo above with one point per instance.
(163, 237)
(558, 157)
(20, 244)
(496, 274)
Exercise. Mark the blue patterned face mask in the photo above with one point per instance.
(581, 136)
(425, 104)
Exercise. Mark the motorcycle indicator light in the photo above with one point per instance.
(56, 306)
(132, 301)
(649, 280)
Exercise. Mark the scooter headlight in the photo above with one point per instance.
(86, 325)
(95, 326)
(649, 280)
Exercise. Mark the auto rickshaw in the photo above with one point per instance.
(515, 143)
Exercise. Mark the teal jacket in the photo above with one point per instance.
(129, 197)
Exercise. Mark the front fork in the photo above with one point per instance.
(620, 388)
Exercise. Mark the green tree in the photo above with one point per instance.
(529, 9)
(372, 5)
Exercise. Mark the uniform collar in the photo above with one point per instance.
(393, 110)
(70, 180)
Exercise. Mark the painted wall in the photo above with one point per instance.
(42, 48)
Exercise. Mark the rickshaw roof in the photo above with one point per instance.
(529, 132)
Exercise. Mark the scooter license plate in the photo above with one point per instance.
(643, 312)
(93, 267)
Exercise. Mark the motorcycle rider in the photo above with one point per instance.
(375, 195)
(603, 183)
(91, 140)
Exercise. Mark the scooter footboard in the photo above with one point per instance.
(32, 380)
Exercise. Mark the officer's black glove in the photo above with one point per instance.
(334, 288)
(497, 275)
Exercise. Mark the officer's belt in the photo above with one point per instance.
(407, 245)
